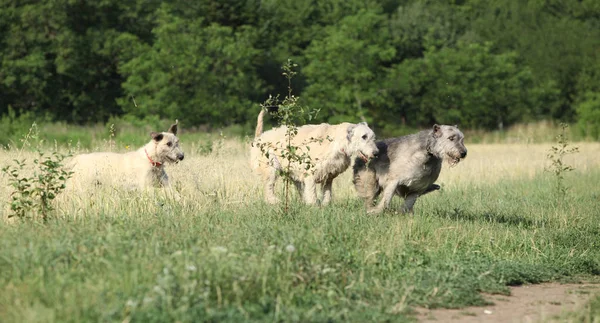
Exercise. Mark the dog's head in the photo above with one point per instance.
(448, 143)
(167, 147)
(361, 140)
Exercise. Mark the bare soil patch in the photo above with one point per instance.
(528, 303)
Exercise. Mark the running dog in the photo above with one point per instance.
(408, 166)
(329, 147)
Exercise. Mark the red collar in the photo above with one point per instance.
(153, 163)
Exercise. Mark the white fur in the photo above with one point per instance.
(140, 169)
(330, 148)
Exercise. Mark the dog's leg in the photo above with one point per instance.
(270, 196)
(409, 202)
(310, 191)
(166, 189)
(327, 191)
(386, 198)
(366, 185)
(171, 193)
(300, 187)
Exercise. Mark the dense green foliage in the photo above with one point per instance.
(477, 63)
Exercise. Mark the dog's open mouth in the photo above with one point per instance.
(453, 161)
(363, 156)
(172, 160)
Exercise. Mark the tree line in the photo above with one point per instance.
(480, 64)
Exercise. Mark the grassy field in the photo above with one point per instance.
(220, 254)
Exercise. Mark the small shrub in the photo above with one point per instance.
(558, 167)
(289, 113)
(33, 195)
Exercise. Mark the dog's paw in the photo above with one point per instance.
(374, 211)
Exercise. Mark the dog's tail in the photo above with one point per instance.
(259, 123)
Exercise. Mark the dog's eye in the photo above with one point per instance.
(451, 138)
(169, 144)
(364, 137)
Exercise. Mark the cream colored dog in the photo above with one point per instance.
(330, 148)
(138, 169)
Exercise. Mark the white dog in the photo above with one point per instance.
(143, 168)
(330, 148)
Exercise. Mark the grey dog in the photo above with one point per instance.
(407, 166)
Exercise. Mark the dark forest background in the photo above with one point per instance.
(481, 64)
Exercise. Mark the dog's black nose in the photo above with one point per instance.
(463, 154)
(180, 157)
(375, 154)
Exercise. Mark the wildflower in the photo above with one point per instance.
(290, 248)
(131, 303)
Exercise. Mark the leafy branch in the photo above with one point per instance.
(289, 112)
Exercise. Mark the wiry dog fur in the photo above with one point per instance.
(330, 148)
(408, 166)
(143, 168)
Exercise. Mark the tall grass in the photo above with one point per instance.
(220, 254)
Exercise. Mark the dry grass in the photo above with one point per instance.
(224, 175)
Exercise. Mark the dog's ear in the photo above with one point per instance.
(157, 136)
(350, 131)
(173, 128)
(437, 131)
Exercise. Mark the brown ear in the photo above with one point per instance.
(173, 128)
(157, 136)
(437, 131)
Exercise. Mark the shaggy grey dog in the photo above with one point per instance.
(407, 166)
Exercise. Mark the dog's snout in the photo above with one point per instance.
(180, 157)
(463, 154)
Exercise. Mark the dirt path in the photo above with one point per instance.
(531, 303)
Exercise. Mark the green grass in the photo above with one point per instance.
(129, 258)
(133, 132)
(590, 313)
(129, 133)
(222, 255)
